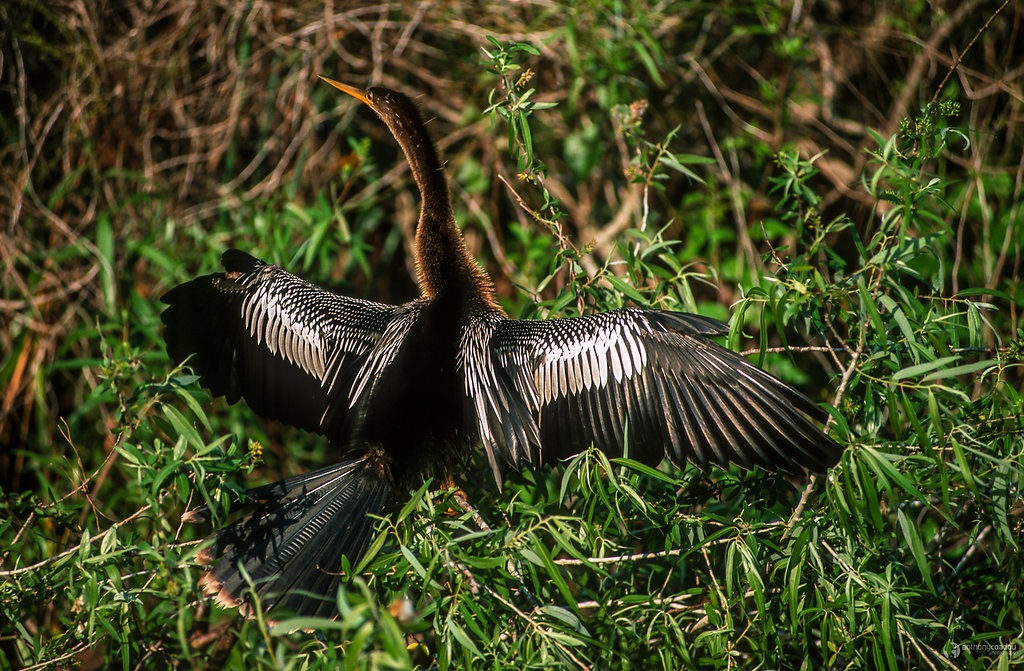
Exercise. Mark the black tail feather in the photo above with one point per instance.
(291, 546)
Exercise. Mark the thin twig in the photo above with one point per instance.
(620, 558)
(960, 58)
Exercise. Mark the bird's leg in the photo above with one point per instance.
(467, 507)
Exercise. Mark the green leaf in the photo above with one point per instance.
(554, 573)
(625, 289)
(965, 369)
(413, 562)
(881, 464)
(461, 637)
(913, 539)
(922, 368)
(672, 161)
(183, 427)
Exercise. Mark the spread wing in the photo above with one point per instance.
(639, 383)
(294, 352)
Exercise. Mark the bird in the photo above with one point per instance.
(405, 392)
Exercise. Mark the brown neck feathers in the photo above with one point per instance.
(443, 263)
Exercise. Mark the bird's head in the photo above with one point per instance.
(394, 108)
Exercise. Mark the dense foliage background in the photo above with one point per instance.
(842, 180)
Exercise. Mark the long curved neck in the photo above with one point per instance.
(443, 263)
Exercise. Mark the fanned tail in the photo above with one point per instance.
(291, 546)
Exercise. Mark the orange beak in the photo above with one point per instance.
(352, 91)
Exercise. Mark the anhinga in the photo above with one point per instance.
(405, 392)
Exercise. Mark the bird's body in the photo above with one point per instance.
(405, 392)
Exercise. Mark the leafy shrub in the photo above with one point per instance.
(892, 296)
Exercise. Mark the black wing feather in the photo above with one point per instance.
(655, 379)
(294, 352)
